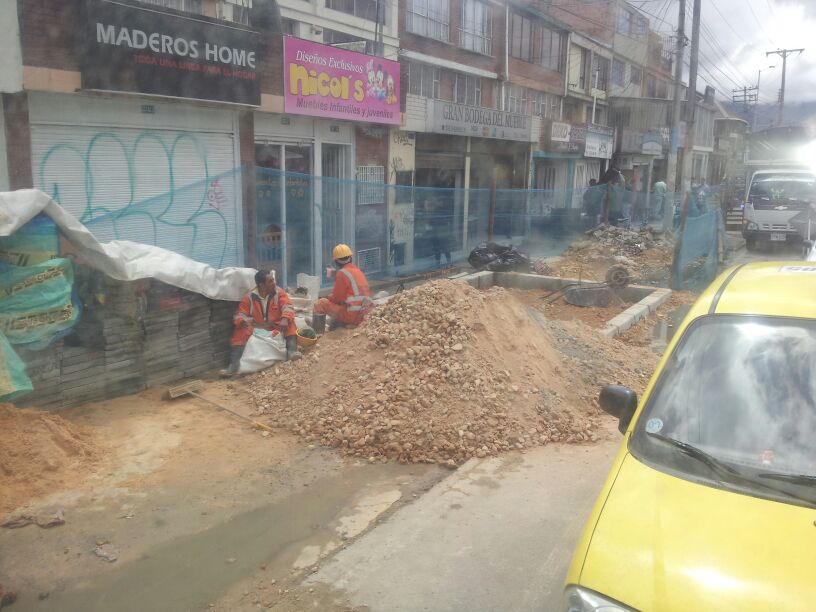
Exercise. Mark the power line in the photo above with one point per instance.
(759, 23)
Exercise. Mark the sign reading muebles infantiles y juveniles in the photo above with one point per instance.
(150, 51)
(324, 81)
(461, 120)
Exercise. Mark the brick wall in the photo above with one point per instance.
(18, 140)
(450, 50)
(590, 17)
(371, 145)
(48, 30)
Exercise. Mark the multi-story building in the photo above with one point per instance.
(171, 121)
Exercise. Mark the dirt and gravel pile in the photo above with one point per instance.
(441, 373)
(646, 255)
(38, 451)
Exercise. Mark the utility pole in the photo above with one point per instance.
(671, 170)
(691, 102)
(756, 104)
(746, 95)
(783, 53)
(688, 150)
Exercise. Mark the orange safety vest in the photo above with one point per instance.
(351, 290)
(251, 310)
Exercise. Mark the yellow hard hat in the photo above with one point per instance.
(341, 251)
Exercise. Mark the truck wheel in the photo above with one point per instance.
(750, 244)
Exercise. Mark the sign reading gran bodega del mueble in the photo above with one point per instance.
(328, 82)
(144, 50)
(458, 119)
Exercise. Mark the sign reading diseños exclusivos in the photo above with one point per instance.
(144, 50)
(325, 81)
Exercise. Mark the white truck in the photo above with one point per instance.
(778, 206)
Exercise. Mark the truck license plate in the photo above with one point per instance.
(778, 236)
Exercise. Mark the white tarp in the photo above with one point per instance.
(122, 259)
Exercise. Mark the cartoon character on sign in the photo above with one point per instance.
(391, 98)
(376, 81)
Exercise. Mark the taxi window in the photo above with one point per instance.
(742, 390)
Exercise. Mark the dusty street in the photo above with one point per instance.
(496, 535)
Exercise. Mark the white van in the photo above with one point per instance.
(777, 206)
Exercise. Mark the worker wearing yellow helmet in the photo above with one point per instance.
(350, 298)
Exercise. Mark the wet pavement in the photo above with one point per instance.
(186, 573)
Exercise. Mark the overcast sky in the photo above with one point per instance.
(736, 36)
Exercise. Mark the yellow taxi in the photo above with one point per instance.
(711, 502)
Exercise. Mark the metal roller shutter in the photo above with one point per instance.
(176, 189)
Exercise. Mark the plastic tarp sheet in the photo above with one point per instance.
(122, 259)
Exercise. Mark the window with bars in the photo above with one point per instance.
(583, 76)
(535, 43)
(632, 24)
(429, 18)
(521, 37)
(365, 9)
(618, 72)
(552, 49)
(651, 86)
(370, 184)
(516, 100)
(546, 105)
(467, 89)
(424, 80)
(187, 6)
(636, 76)
(600, 69)
(476, 28)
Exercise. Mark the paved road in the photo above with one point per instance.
(496, 535)
(767, 253)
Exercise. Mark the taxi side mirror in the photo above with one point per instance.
(620, 402)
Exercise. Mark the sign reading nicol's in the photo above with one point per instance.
(143, 50)
(461, 120)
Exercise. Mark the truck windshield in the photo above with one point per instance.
(798, 189)
(742, 390)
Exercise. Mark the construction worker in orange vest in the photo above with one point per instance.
(350, 298)
(266, 307)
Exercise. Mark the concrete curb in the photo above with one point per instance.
(636, 313)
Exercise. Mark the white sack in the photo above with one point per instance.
(262, 351)
(122, 259)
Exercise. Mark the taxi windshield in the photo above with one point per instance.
(738, 392)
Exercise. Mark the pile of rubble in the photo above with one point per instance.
(39, 450)
(441, 373)
(645, 255)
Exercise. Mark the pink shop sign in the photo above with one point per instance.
(333, 83)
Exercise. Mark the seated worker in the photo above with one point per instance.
(350, 298)
(267, 307)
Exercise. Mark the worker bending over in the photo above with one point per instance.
(265, 307)
(350, 298)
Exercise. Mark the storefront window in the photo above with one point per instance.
(284, 208)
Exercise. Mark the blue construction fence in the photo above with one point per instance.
(296, 219)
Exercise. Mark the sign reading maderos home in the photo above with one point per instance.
(329, 82)
(142, 50)
(452, 118)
